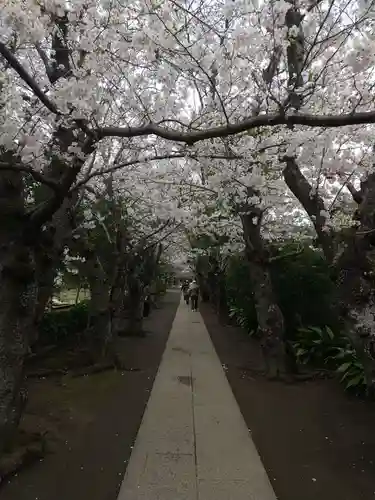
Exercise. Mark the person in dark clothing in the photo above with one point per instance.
(185, 291)
(147, 306)
(194, 292)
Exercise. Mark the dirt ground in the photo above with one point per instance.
(316, 442)
(91, 421)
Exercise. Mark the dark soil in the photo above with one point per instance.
(316, 442)
(91, 422)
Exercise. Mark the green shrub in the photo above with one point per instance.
(304, 289)
(305, 294)
(350, 369)
(241, 318)
(302, 286)
(62, 326)
(240, 295)
(315, 345)
(321, 346)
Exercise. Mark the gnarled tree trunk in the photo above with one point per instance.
(313, 204)
(135, 307)
(119, 306)
(269, 316)
(355, 280)
(99, 330)
(57, 232)
(17, 301)
(351, 263)
(218, 288)
(222, 305)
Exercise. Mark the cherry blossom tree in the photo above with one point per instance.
(90, 87)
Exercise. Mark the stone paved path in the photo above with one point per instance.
(193, 443)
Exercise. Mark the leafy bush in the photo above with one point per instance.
(305, 294)
(302, 285)
(62, 326)
(350, 368)
(240, 295)
(316, 345)
(241, 318)
(321, 346)
(304, 289)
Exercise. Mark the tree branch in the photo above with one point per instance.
(46, 209)
(357, 195)
(29, 170)
(266, 120)
(43, 56)
(17, 66)
(162, 238)
(277, 258)
(312, 202)
(118, 166)
(152, 234)
(252, 122)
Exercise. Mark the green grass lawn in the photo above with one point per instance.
(69, 296)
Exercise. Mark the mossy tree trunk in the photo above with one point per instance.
(269, 316)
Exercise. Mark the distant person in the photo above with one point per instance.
(147, 306)
(185, 291)
(193, 293)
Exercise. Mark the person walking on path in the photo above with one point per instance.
(185, 291)
(194, 292)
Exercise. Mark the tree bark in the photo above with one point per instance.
(19, 234)
(136, 305)
(356, 282)
(57, 232)
(99, 330)
(269, 315)
(218, 288)
(223, 308)
(17, 302)
(17, 299)
(202, 277)
(351, 263)
(313, 204)
(119, 306)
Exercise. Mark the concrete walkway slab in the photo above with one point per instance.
(193, 443)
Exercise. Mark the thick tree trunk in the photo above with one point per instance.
(204, 288)
(99, 330)
(19, 234)
(202, 278)
(119, 308)
(356, 299)
(50, 245)
(222, 306)
(213, 279)
(355, 281)
(351, 260)
(269, 316)
(270, 319)
(136, 304)
(313, 204)
(17, 302)
(218, 292)
(212, 287)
